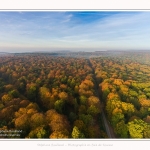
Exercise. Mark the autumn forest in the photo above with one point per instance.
(75, 95)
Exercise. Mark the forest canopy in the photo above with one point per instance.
(47, 96)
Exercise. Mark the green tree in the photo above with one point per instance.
(14, 93)
(146, 132)
(39, 132)
(76, 133)
(136, 128)
(121, 129)
(87, 119)
(83, 100)
(32, 92)
(117, 117)
(92, 110)
(59, 104)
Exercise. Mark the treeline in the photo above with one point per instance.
(125, 87)
(48, 97)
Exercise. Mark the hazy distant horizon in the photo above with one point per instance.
(73, 51)
(74, 31)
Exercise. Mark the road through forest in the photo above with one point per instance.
(108, 128)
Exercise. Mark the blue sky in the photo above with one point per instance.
(76, 31)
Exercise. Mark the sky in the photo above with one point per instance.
(28, 31)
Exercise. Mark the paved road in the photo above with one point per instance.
(108, 128)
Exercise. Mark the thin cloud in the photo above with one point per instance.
(75, 29)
